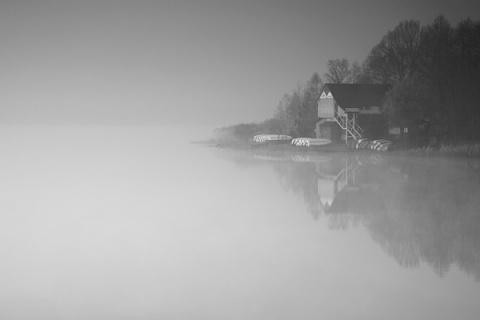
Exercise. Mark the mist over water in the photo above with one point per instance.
(136, 222)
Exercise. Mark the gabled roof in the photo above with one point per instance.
(349, 95)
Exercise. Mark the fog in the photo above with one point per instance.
(108, 211)
(182, 62)
(136, 222)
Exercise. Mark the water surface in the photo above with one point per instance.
(135, 222)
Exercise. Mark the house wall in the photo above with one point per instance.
(317, 128)
(371, 110)
(329, 130)
(326, 107)
(374, 126)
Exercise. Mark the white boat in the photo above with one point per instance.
(259, 138)
(271, 137)
(381, 145)
(307, 142)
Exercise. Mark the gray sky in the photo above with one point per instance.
(182, 62)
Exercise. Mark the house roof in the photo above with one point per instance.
(348, 95)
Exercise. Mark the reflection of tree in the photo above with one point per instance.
(298, 178)
(342, 221)
(400, 244)
(416, 210)
(431, 217)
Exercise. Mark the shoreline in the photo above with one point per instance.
(461, 150)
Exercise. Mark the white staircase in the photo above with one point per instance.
(351, 127)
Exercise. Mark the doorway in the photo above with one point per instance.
(326, 132)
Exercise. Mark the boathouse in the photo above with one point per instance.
(351, 111)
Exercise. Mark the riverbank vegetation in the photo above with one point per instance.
(452, 150)
(433, 72)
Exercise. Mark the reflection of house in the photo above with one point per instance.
(335, 179)
(350, 184)
(347, 111)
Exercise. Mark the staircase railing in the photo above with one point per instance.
(349, 125)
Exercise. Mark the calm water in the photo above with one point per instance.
(136, 223)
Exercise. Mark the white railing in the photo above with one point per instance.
(352, 128)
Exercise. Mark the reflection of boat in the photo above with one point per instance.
(267, 157)
(298, 157)
(307, 142)
(315, 158)
(271, 137)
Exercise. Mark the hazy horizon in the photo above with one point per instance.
(211, 63)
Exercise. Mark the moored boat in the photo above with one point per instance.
(307, 142)
(271, 137)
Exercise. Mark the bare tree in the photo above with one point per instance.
(358, 74)
(396, 57)
(308, 107)
(338, 71)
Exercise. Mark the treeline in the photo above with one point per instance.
(433, 72)
(295, 115)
